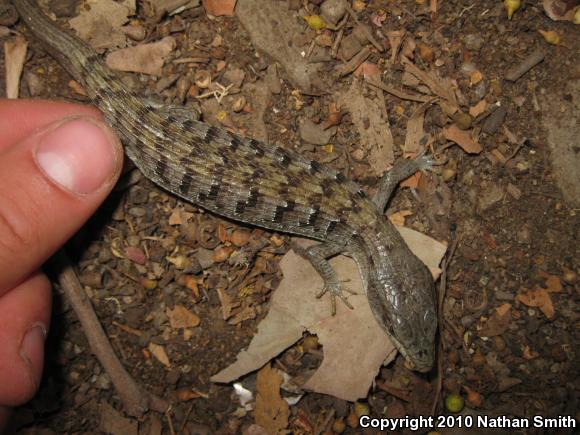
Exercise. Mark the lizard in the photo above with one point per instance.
(268, 186)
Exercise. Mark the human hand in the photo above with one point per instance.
(58, 162)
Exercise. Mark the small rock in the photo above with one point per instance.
(62, 9)
(332, 11)
(494, 121)
(234, 76)
(523, 235)
(205, 257)
(490, 194)
(473, 41)
(361, 32)
(315, 133)
(350, 46)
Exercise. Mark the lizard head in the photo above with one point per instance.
(402, 299)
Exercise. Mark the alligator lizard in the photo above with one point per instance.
(267, 186)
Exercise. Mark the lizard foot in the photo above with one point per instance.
(336, 290)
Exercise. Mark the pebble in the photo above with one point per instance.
(494, 121)
(332, 11)
(315, 133)
(523, 235)
(490, 194)
(473, 41)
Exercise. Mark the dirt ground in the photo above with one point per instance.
(504, 198)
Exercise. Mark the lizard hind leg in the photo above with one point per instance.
(318, 256)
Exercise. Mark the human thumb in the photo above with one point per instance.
(50, 183)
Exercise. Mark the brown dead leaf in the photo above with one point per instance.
(415, 132)
(179, 216)
(498, 323)
(271, 410)
(412, 182)
(553, 283)
(478, 109)
(227, 303)
(100, 22)
(181, 317)
(528, 353)
(441, 87)
(475, 77)
(219, 8)
(159, 353)
(398, 218)
(372, 124)
(395, 38)
(462, 138)
(143, 58)
(334, 116)
(538, 297)
(368, 70)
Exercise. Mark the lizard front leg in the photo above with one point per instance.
(318, 256)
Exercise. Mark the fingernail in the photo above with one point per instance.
(32, 350)
(79, 154)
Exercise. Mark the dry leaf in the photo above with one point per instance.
(14, 56)
(100, 22)
(181, 317)
(412, 182)
(498, 323)
(271, 410)
(553, 283)
(159, 353)
(478, 109)
(345, 337)
(462, 138)
(540, 298)
(439, 86)
(179, 216)
(415, 132)
(475, 77)
(219, 8)
(143, 58)
(528, 353)
(398, 218)
(372, 125)
(368, 70)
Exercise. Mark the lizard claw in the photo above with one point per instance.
(336, 291)
(425, 162)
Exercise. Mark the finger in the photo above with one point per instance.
(51, 182)
(25, 317)
(30, 115)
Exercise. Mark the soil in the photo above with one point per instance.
(509, 330)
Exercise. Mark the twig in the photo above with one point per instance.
(135, 399)
(442, 290)
(525, 65)
(353, 64)
(400, 94)
(368, 33)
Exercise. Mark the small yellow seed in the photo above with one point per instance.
(454, 403)
(511, 6)
(315, 22)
